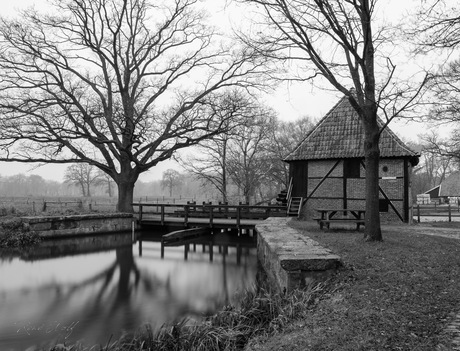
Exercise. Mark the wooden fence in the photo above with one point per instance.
(438, 212)
(50, 205)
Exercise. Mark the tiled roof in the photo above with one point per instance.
(451, 185)
(340, 135)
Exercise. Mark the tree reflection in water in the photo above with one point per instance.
(64, 300)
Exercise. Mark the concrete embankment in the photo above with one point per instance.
(289, 258)
(85, 224)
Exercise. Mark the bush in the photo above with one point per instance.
(13, 235)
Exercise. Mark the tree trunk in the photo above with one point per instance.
(126, 266)
(83, 192)
(125, 196)
(109, 188)
(224, 171)
(372, 155)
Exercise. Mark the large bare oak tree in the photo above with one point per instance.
(118, 84)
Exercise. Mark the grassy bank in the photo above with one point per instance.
(13, 236)
(259, 314)
(399, 294)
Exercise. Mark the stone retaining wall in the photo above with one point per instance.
(58, 226)
(290, 259)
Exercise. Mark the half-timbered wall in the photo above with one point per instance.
(341, 184)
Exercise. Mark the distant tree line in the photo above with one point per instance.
(35, 186)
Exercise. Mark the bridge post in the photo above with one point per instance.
(238, 218)
(162, 214)
(186, 208)
(186, 249)
(211, 252)
(211, 217)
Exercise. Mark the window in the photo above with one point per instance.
(352, 168)
(383, 205)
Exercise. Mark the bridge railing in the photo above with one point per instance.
(208, 210)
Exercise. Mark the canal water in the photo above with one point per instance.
(92, 290)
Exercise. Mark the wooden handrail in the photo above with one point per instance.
(289, 192)
(239, 212)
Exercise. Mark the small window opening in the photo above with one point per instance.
(383, 205)
(352, 168)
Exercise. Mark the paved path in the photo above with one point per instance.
(426, 229)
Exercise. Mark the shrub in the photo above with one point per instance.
(13, 235)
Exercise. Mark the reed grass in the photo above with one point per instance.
(259, 313)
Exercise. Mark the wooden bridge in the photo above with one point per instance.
(221, 216)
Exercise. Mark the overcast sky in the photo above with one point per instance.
(291, 100)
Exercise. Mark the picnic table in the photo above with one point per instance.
(340, 215)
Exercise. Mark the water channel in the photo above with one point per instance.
(94, 289)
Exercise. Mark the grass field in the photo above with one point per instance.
(399, 294)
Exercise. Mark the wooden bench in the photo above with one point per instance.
(327, 222)
(328, 216)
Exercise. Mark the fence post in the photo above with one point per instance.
(450, 214)
(418, 212)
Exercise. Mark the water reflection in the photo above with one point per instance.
(77, 294)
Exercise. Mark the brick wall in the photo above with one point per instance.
(331, 192)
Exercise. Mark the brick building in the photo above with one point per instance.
(327, 167)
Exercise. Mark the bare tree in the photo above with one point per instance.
(209, 164)
(171, 179)
(436, 29)
(440, 155)
(285, 137)
(210, 161)
(433, 168)
(337, 41)
(105, 180)
(117, 84)
(248, 161)
(436, 25)
(82, 175)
